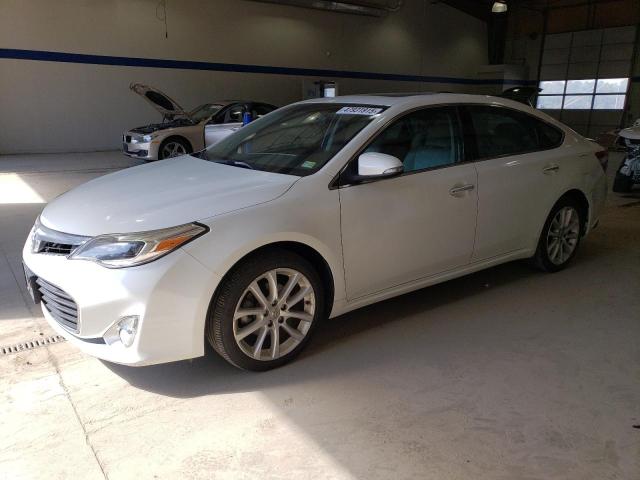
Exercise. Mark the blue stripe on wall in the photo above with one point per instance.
(41, 55)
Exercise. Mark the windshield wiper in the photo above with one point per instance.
(235, 163)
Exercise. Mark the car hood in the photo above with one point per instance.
(162, 102)
(160, 195)
(155, 127)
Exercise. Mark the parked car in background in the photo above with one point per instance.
(317, 209)
(628, 173)
(184, 131)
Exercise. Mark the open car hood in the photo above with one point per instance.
(526, 95)
(162, 102)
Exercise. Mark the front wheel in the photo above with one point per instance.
(560, 236)
(173, 147)
(266, 310)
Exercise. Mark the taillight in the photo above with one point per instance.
(603, 158)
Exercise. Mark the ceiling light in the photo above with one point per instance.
(499, 7)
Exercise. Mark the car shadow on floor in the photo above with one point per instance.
(464, 374)
(331, 351)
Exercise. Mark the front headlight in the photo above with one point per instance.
(131, 249)
(142, 138)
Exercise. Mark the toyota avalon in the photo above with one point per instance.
(309, 212)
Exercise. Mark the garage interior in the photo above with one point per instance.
(507, 373)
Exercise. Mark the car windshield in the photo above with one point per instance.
(203, 112)
(295, 140)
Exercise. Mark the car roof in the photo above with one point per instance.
(420, 98)
(231, 102)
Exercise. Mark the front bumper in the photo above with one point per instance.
(142, 150)
(170, 295)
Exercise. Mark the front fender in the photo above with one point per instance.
(235, 235)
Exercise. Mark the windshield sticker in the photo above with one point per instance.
(308, 164)
(359, 111)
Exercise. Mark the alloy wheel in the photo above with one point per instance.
(274, 314)
(563, 235)
(173, 149)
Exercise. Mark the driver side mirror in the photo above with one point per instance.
(378, 165)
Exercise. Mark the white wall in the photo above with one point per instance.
(52, 106)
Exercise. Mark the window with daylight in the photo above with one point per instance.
(587, 94)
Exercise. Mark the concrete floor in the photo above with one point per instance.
(504, 374)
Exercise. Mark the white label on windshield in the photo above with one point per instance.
(358, 111)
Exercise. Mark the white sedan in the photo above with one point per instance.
(316, 209)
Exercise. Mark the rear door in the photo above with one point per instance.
(518, 161)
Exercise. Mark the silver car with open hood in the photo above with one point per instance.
(182, 131)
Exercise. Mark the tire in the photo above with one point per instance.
(547, 257)
(622, 183)
(225, 329)
(178, 145)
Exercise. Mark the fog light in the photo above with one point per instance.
(127, 328)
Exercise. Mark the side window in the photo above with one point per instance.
(502, 131)
(548, 136)
(260, 110)
(234, 114)
(217, 119)
(424, 139)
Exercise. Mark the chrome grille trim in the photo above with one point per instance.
(59, 304)
(45, 240)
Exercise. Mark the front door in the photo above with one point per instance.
(421, 223)
(223, 124)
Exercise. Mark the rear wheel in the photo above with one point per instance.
(266, 310)
(560, 236)
(173, 147)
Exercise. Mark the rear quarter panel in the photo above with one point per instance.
(580, 170)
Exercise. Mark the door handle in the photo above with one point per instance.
(461, 189)
(550, 169)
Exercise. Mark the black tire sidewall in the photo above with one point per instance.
(220, 321)
(542, 255)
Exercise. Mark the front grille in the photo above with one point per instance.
(59, 304)
(45, 240)
(56, 248)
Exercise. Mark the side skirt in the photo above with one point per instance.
(344, 306)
